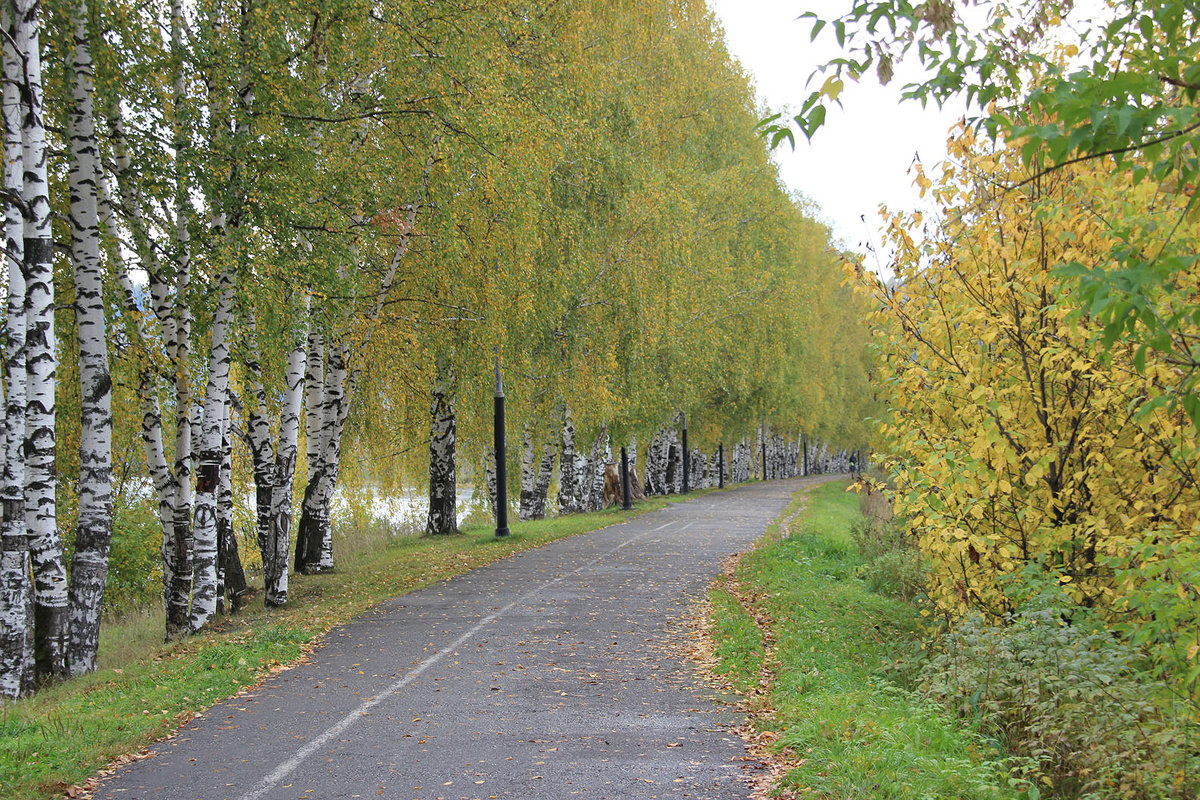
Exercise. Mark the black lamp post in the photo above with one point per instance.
(626, 502)
(763, 451)
(501, 459)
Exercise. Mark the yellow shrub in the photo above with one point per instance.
(1015, 434)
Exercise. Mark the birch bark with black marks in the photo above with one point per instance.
(568, 491)
(535, 480)
(45, 548)
(279, 538)
(151, 413)
(654, 479)
(16, 649)
(204, 519)
(314, 446)
(314, 536)
(229, 562)
(93, 537)
(541, 486)
(443, 496)
(698, 464)
(176, 317)
(597, 462)
(489, 474)
(528, 474)
(274, 464)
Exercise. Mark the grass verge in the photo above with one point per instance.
(812, 675)
(53, 742)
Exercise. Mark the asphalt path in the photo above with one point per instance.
(549, 675)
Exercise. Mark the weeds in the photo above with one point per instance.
(1070, 702)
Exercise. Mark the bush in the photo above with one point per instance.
(893, 566)
(1070, 701)
(135, 560)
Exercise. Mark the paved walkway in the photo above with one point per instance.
(545, 675)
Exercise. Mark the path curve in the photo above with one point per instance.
(544, 676)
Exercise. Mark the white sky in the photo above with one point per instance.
(860, 158)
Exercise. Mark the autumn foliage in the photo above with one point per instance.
(1022, 442)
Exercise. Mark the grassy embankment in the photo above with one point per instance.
(144, 689)
(805, 642)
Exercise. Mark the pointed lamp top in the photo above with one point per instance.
(499, 382)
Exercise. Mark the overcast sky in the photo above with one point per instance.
(861, 157)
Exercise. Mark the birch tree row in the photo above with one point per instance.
(285, 244)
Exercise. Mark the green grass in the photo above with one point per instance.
(848, 730)
(737, 642)
(146, 689)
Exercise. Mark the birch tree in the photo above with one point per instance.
(443, 515)
(275, 463)
(15, 577)
(45, 548)
(89, 566)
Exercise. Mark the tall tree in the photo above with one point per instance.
(15, 578)
(89, 565)
(45, 548)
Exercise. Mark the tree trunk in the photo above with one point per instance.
(89, 566)
(541, 486)
(568, 490)
(489, 473)
(204, 525)
(443, 498)
(45, 548)
(528, 475)
(631, 453)
(601, 455)
(275, 465)
(314, 546)
(15, 578)
(275, 558)
(233, 574)
(314, 404)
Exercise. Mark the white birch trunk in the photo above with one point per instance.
(594, 489)
(314, 550)
(275, 465)
(314, 401)
(528, 475)
(489, 473)
(631, 454)
(89, 566)
(541, 487)
(204, 523)
(314, 537)
(45, 548)
(568, 492)
(177, 332)
(443, 518)
(315, 435)
(654, 480)
(231, 574)
(279, 539)
(15, 578)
